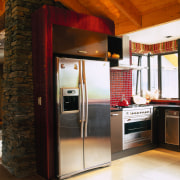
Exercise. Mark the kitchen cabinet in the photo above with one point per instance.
(43, 21)
(159, 127)
(115, 47)
(116, 131)
(78, 42)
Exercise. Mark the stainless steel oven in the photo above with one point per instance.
(137, 126)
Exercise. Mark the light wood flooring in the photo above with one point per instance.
(156, 164)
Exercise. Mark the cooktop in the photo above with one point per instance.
(130, 106)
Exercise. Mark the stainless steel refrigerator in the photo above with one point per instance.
(83, 115)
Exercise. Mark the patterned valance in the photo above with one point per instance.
(164, 47)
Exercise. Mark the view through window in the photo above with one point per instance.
(160, 74)
(169, 74)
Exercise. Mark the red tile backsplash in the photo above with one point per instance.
(121, 84)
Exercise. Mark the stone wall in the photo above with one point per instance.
(18, 153)
(1, 81)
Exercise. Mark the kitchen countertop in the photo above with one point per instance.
(165, 106)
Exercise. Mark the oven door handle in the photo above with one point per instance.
(135, 128)
(114, 114)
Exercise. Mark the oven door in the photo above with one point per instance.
(136, 134)
(137, 126)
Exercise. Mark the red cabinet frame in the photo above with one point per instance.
(42, 53)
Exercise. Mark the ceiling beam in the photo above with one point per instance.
(161, 16)
(74, 5)
(129, 10)
(98, 8)
(124, 27)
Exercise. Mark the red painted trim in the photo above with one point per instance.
(43, 20)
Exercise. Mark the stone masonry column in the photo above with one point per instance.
(19, 153)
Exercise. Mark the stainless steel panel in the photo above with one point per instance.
(136, 115)
(68, 74)
(137, 139)
(79, 42)
(116, 131)
(97, 147)
(172, 128)
(70, 143)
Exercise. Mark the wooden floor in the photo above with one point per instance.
(156, 164)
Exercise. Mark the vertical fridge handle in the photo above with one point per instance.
(86, 108)
(81, 101)
(86, 100)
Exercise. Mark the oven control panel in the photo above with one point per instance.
(137, 114)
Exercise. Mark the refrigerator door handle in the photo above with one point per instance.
(82, 111)
(81, 101)
(86, 108)
(86, 100)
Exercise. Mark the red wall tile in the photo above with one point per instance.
(121, 84)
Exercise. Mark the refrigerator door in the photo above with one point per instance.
(70, 142)
(97, 147)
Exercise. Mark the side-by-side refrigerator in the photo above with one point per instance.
(83, 115)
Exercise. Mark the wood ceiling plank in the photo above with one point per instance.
(2, 7)
(129, 10)
(124, 27)
(97, 8)
(161, 16)
(75, 6)
(147, 6)
(111, 9)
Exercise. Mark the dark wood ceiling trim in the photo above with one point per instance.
(129, 10)
(2, 22)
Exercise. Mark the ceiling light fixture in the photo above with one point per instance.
(168, 36)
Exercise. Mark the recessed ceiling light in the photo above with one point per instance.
(169, 36)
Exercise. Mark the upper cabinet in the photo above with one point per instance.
(114, 47)
(78, 42)
(119, 53)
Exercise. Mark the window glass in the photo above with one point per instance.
(144, 75)
(134, 75)
(169, 70)
(140, 85)
(154, 72)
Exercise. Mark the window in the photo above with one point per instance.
(161, 74)
(135, 81)
(153, 73)
(139, 77)
(169, 74)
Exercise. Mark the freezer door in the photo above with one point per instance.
(70, 142)
(97, 148)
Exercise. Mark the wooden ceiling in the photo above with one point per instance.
(2, 16)
(128, 15)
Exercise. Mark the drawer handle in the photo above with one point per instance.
(114, 114)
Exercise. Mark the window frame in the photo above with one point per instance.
(159, 72)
